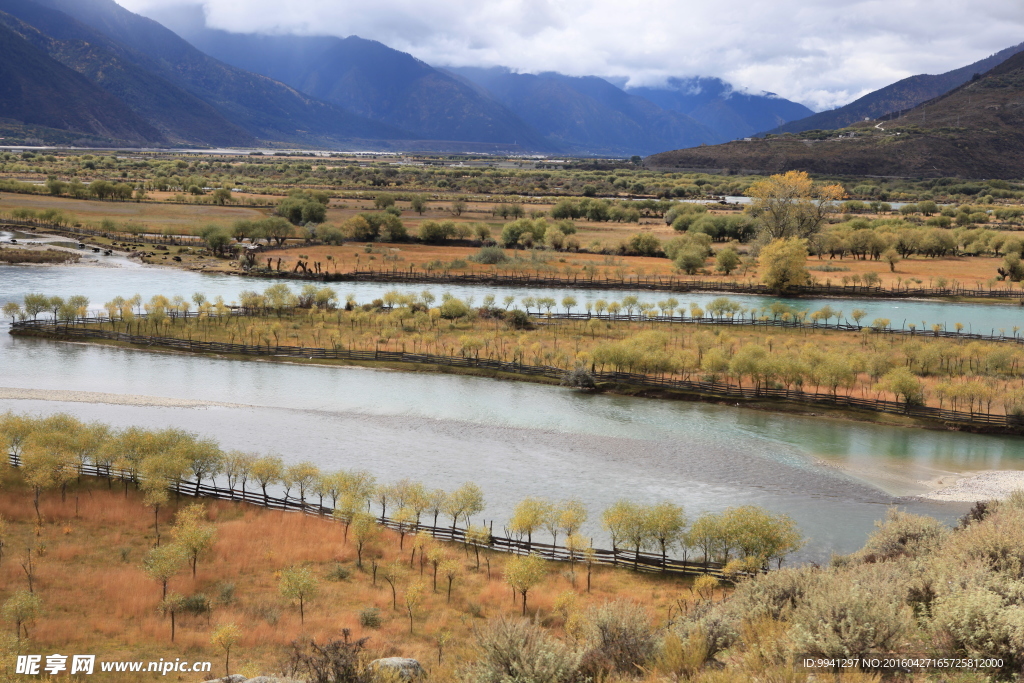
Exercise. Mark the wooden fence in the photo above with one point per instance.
(653, 283)
(642, 561)
(72, 329)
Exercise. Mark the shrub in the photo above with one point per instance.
(578, 378)
(370, 618)
(490, 255)
(453, 309)
(620, 638)
(644, 244)
(517, 319)
(338, 572)
(517, 650)
(338, 661)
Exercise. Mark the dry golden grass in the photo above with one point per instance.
(97, 599)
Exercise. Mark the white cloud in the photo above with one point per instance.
(823, 53)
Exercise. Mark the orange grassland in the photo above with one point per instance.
(97, 599)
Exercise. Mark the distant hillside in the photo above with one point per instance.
(265, 108)
(35, 90)
(727, 113)
(181, 118)
(587, 114)
(904, 94)
(974, 131)
(364, 76)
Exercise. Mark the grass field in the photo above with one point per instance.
(96, 598)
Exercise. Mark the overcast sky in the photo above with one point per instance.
(823, 53)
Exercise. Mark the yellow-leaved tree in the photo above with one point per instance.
(792, 205)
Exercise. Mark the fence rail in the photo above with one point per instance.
(656, 283)
(71, 329)
(642, 561)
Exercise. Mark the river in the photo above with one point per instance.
(514, 439)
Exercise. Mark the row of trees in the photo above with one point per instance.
(53, 451)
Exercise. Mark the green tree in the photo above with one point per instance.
(528, 516)
(192, 534)
(523, 572)
(667, 526)
(903, 384)
(784, 264)
(20, 609)
(171, 605)
(299, 583)
(163, 563)
(267, 470)
(727, 260)
(365, 531)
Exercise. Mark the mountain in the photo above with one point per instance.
(364, 76)
(587, 114)
(263, 107)
(35, 90)
(180, 117)
(974, 131)
(898, 96)
(729, 114)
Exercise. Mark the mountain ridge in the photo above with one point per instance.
(903, 94)
(975, 130)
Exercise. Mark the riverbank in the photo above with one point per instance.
(971, 487)
(639, 386)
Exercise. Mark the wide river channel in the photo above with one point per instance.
(514, 439)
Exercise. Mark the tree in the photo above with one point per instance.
(892, 257)
(450, 569)
(12, 310)
(170, 606)
(727, 260)
(902, 383)
(47, 461)
(393, 572)
(418, 204)
(465, 501)
(301, 475)
(21, 608)
(192, 534)
(523, 572)
(528, 516)
(238, 469)
(365, 531)
(298, 583)
(458, 207)
(477, 535)
(413, 598)
(791, 205)
(784, 265)
(158, 474)
(667, 524)
(162, 563)
(225, 637)
(267, 470)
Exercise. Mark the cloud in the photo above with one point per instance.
(823, 53)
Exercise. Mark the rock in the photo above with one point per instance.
(407, 668)
(233, 678)
(268, 679)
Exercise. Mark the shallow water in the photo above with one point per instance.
(103, 284)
